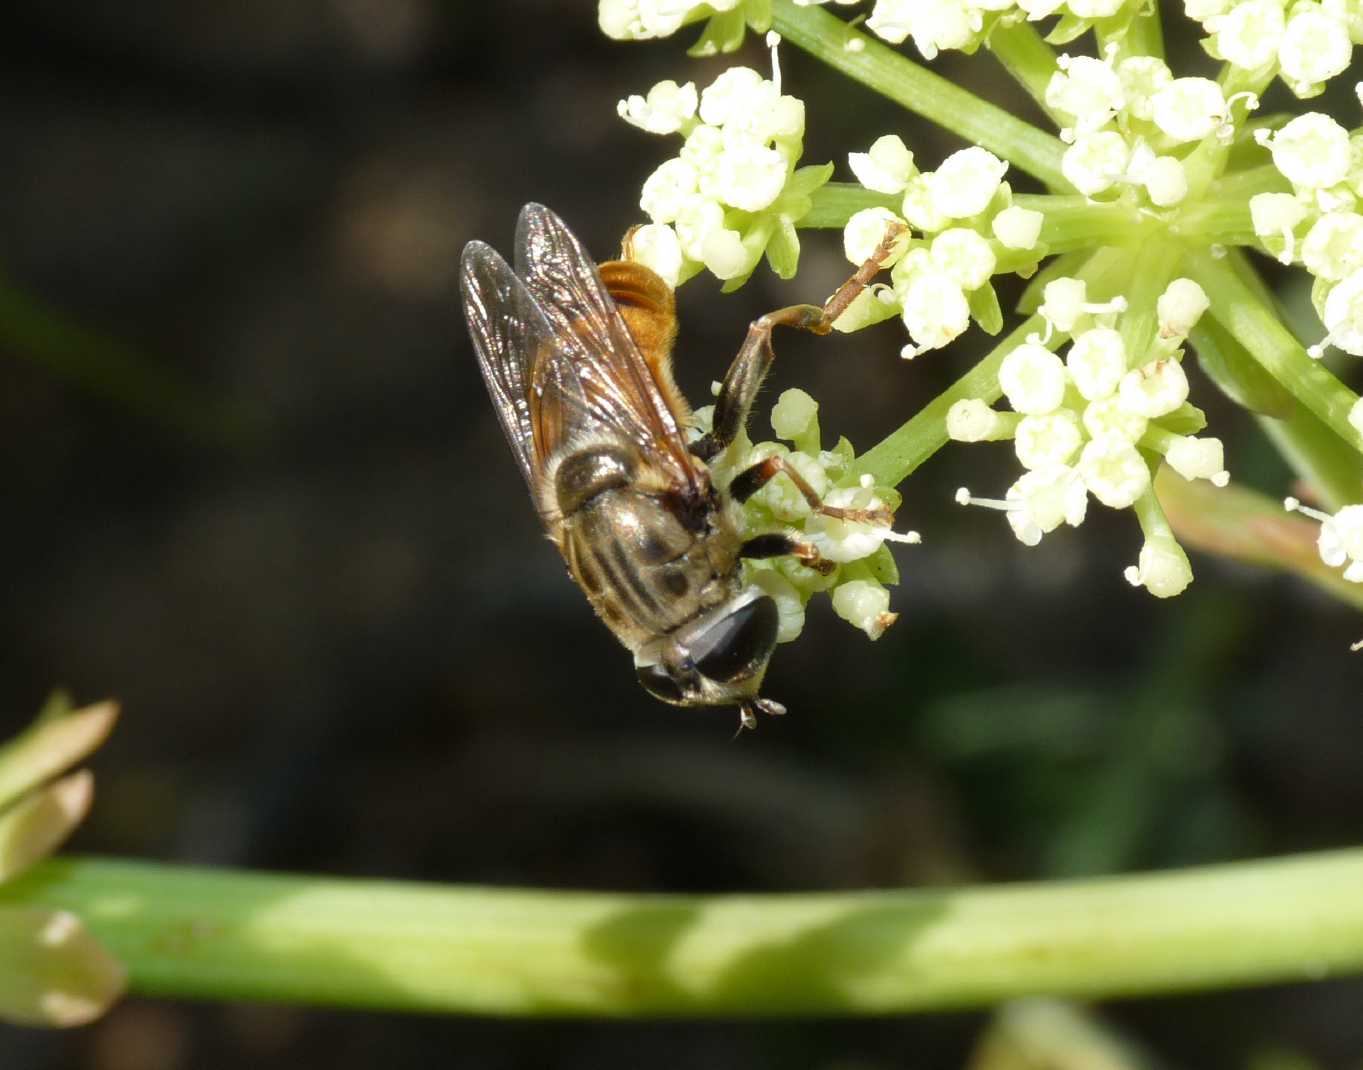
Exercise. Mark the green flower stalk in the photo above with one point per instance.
(1156, 181)
(52, 971)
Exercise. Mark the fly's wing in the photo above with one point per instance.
(512, 336)
(594, 352)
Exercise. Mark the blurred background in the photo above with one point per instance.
(254, 489)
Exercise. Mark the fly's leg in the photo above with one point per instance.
(749, 481)
(781, 544)
(750, 367)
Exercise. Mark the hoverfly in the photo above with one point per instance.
(577, 358)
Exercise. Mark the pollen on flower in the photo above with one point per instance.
(864, 604)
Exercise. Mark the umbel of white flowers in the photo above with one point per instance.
(1084, 425)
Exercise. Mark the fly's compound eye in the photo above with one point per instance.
(658, 683)
(737, 645)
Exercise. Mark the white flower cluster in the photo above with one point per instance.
(1306, 43)
(970, 230)
(1131, 123)
(864, 564)
(642, 20)
(1319, 224)
(1085, 424)
(963, 25)
(733, 192)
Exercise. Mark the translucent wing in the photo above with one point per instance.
(594, 352)
(510, 334)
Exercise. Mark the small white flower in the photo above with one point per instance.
(725, 254)
(792, 414)
(1166, 181)
(919, 208)
(1038, 503)
(1315, 48)
(1198, 458)
(655, 246)
(1154, 390)
(1108, 418)
(1097, 362)
(964, 257)
(1114, 471)
(668, 190)
(1188, 109)
(1142, 77)
(1341, 537)
(732, 95)
(966, 182)
(1095, 161)
(1048, 441)
(1248, 35)
(1033, 379)
(1274, 216)
(864, 604)
(1088, 90)
(750, 176)
(1180, 307)
(886, 168)
(1063, 302)
(935, 310)
(865, 231)
(971, 420)
(1017, 228)
(698, 218)
(666, 109)
(1312, 151)
(1162, 568)
(1333, 247)
(1343, 316)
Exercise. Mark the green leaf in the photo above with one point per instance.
(783, 249)
(984, 309)
(883, 566)
(723, 33)
(805, 180)
(1187, 419)
(37, 825)
(52, 971)
(1241, 378)
(758, 15)
(50, 746)
(1067, 29)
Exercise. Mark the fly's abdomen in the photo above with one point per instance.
(643, 570)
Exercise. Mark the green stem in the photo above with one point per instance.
(1029, 59)
(883, 69)
(1142, 36)
(834, 203)
(223, 934)
(1254, 323)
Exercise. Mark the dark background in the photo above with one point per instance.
(254, 489)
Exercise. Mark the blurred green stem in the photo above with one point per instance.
(32, 330)
(223, 934)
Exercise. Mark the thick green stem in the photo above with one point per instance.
(834, 203)
(1255, 324)
(883, 69)
(220, 934)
